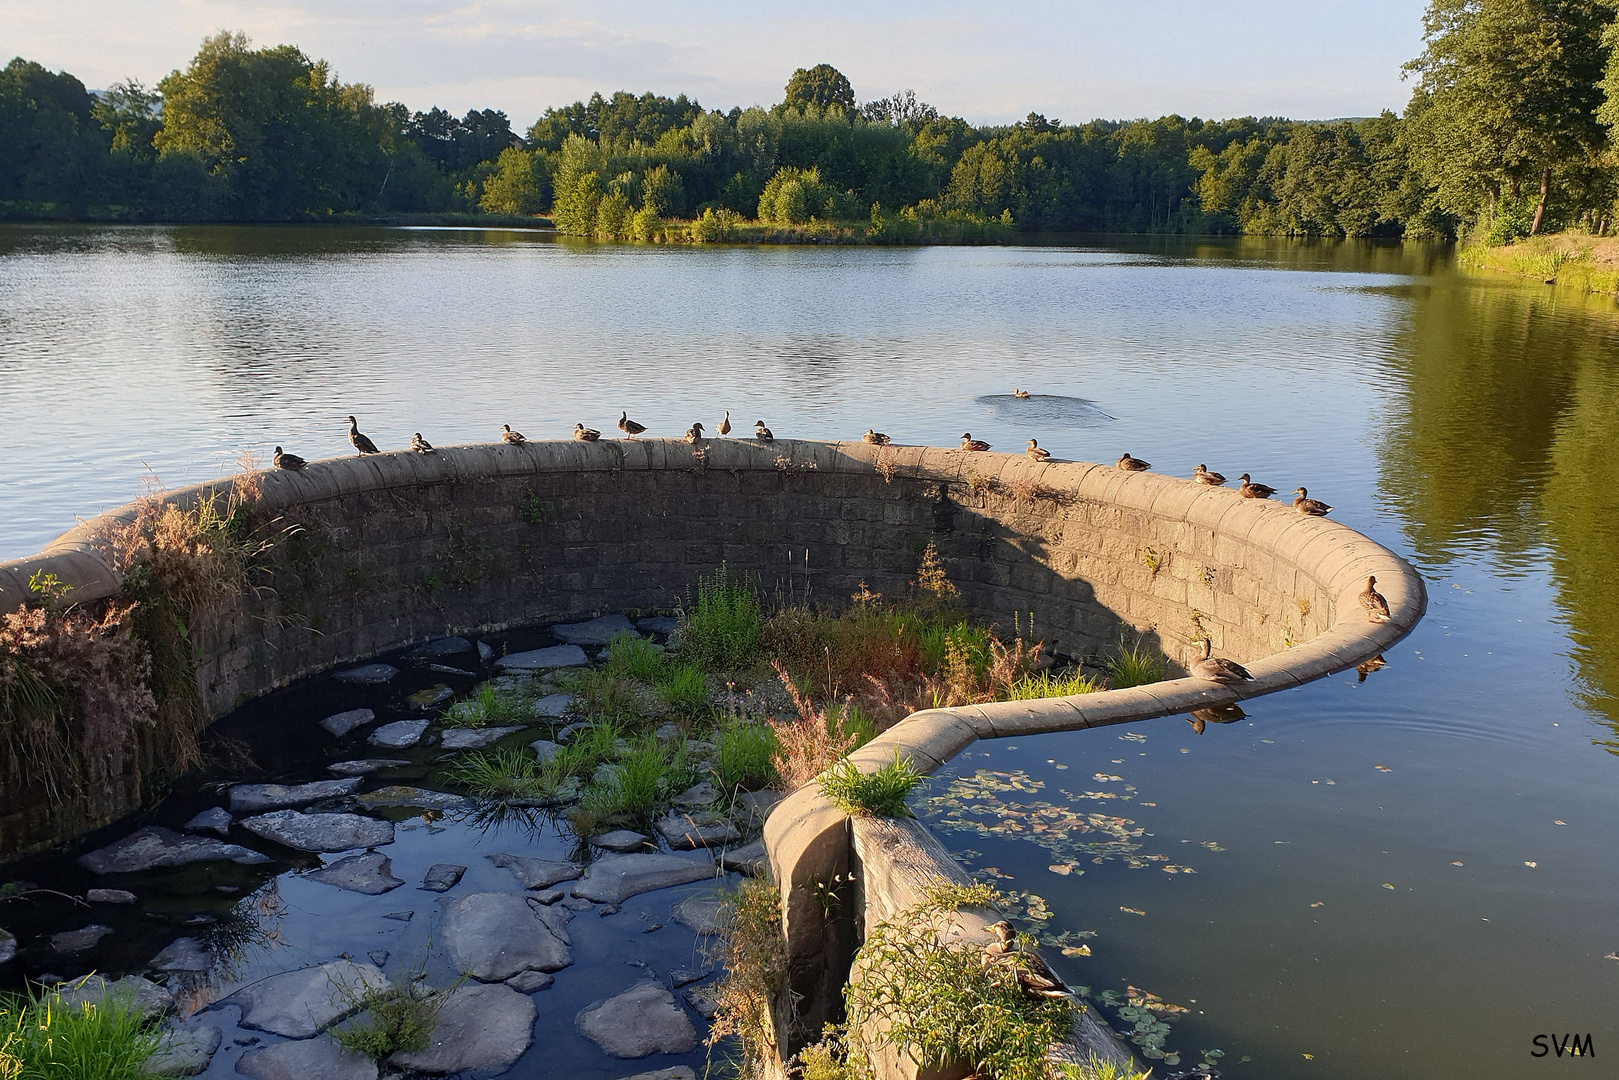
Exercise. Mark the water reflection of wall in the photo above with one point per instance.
(1505, 447)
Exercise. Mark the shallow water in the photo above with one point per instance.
(1464, 421)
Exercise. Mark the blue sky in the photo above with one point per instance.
(988, 62)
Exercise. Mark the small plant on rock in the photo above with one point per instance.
(875, 794)
(399, 1018)
(754, 956)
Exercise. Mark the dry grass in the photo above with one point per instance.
(817, 740)
(755, 960)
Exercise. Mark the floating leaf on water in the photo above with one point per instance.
(1386, 885)
(1530, 863)
(1559, 823)
(1456, 862)
(1133, 736)
(1061, 868)
(1319, 903)
(1267, 740)
(1147, 804)
(1060, 765)
(1307, 1057)
(1136, 911)
(1107, 778)
(1382, 768)
(1211, 845)
(1076, 950)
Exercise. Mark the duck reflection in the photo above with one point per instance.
(1215, 714)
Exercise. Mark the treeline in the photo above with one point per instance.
(1507, 133)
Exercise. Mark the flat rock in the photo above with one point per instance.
(313, 1059)
(81, 940)
(432, 695)
(486, 652)
(321, 832)
(703, 914)
(699, 796)
(474, 738)
(658, 624)
(612, 879)
(132, 991)
(365, 766)
(215, 819)
(530, 982)
(399, 734)
(480, 1028)
(598, 631)
(566, 735)
(668, 731)
(154, 846)
(261, 798)
(673, 1072)
(442, 647)
(405, 795)
(184, 955)
(750, 859)
(686, 831)
(8, 946)
(368, 674)
(445, 669)
(702, 1000)
(536, 873)
(553, 705)
(301, 1004)
(340, 724)
(493, 936)
(557, 656)
(370, 873)
(109, 896)
(644, 1019)
(547, 896)
(442, 877)
(184, 1049)
(753, 807)
(544, 749)
(679, 977)
(621, 840)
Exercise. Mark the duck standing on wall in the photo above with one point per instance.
(1218, 668)
(1019, 393)
(1377, 608)
(970, 443)
(1035, 452)
(584, 434)
(514, 438)
(1306, 505)
(1202, 475)
(421, 445)
(629, 427)
(1132, 464)
(289, 462)
(360, 442)
(725, 425)
(1034, 975)
(1250, 490)
(762, 433)
(875, 438)
(694, 434)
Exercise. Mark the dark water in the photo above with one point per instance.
(1467, 422)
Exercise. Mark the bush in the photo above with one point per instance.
(793, 196)
(743, 757)
(400, 1018)
(877, 794)
(721, 631)
(1136, 665)
(41, 1038)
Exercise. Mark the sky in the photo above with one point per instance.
(990, 62)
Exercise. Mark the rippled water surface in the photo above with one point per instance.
(1406, 877)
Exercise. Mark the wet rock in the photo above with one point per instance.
(321, 832)
(674, 1072)
(493, 936)
(480, 1028)
(544, 749)
(557, 656)
(703, 914)
(566, 735)
(340, 724)
(301, 1004)
(612, 879)
(702, 1001)
(668, 731)
(658, 624)
(644, 1019)
(399, 734)
(184, 1049)
(621, 840)
(215, 819)
(475, 738)
(261, 798)
(445, 669)
(432, 695)
(400, 916)
(699, 796)
(444, 646)
(752, 808)
(598, 631)
(546, 896)
(750, 859)
(536, 873)
(314, 1059)
(686, 831)
(131, 992)
(8, 946)
(486, 652)
(184, 955)
(681, 976)
(530, 982)
(365, 766)
(442, 877)
(405, 795)
(576, 903)
(154, 846)
(368, 674)
(77, 941)
(379, 957)
(553, 705)
(371, 874)
(109, 896)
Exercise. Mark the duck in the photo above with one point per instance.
(1218, 668)
(1019, 393)
(694, 434)
(360, 442)
(762, 433)
(1306, 505)
(1132, 464)
(507, 435)
(1202, 475)
(970, 443)
(1376, 663)
(629, 427)
(585, 434)
(875, 438)
(1215, 714)
(1035, 452)
(421, 445)
(1034, 975)
(1377, 608)
(1250, 490)
(289, 462)
(725, 425)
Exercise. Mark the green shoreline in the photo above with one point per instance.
(1587, 263)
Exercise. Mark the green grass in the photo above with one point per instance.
(878, 794)
(43, 1039)
(1136, 665)
(635, 658)
(513, 773)
(490, 707)
(1570, 259)
(642, 779)
(400, 1018)
(685, 688)
(722, 629)
(1045, 685)
(743, 753)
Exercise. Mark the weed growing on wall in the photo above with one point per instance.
(875, 794)
(754, 956)
(1136, 664)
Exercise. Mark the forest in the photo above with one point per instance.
(1507, 133)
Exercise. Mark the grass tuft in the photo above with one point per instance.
(397, 1019)
(513, 773)
(41, 1038)
(1136, 665)
(1044, 684)
(636, 658)
(743, 755)
(686, 689)
(876, 794)
(721, 631)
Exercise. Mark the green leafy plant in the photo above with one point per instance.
(514, 773)
(635, 657)
(44, 1038)
(721, 631)
(1044, 684)
(743, 753)
(686, 689)
(399, 1018)
(490, 706)
(754, 958)
(637, 786)
(875, 794)
(1135, 665)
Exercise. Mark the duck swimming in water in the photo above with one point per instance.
(507, 435)
(289, 462)
(1019, 393)
(1250, 490)
(360, 442)
(762, 433)
(629, 427)
(1218, 668)
(875, 438)
(1202, 475)
(1035, 452)
(1306, 505)
(421, 445)
(970, 443)
(585, 434)
(1132, 464)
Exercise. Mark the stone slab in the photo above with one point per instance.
(184, 1049)
(621, 840)
(612, 879)
(399, 734)
(215, 819)
(703, 914)
(644, 1019)
(367, 674)
(531, 982)
(493, 936)
(553, 705)
(185, 955)
(674, 1072)
(81, 940)
(699, 796)
(321, 832)
(406, 795)
(474, 738)
(750, 859)
(687, 831)
(371, 874)
(301, 1004)
(132, 991)
(557, 656)
(440, 648)
(109, 896)
(536, 873)
(442, 877)
(340, 724)
(153, 846)
(365, 766)
(313, 1059)
(597, 631)
(261, 798)
(481, 1028)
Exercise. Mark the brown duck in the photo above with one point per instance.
(1377, 608)
(421, 445)
(1132, 464)
(507, 435)
(970, 443)
(762, 433)
(1202, 475)
(360, 442)
(1215, 714)
(1306, 505)
(1250, 490)
(1376, 663)
(875, 438)
(1034, 975)
(585, 434)
(289, 462)
(629, 427)
(1019, 393)
(1035, 452)
(694, 434)
(725, 425)
(1218, 668)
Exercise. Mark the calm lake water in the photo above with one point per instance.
(1406, 877)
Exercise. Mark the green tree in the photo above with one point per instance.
(820, 87)
(517, 184)
(794, 196)
(51, 147)
(662, 192)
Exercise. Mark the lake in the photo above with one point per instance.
(1408, 876)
